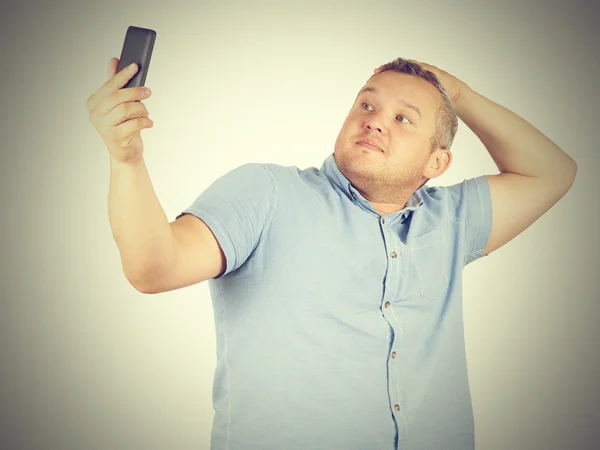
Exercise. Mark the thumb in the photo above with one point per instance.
(111, 70)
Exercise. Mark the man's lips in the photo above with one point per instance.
(370, 144)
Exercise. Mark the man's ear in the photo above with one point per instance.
(439, 161)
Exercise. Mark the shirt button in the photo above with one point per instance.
(383, 220)
(393, 354)
(397, 407)
(393, 254)
(387, 305)
(354, 196)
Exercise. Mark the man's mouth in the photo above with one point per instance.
(370, 144)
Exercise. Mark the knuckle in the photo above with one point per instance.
(114, 82)
(128, 93)
(114, 98)
(137, 93)
(138, 109)
(124, 111)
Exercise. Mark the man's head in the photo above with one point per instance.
(407, 113)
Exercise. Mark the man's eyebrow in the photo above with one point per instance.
(404, 102)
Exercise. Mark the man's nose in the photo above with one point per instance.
(374, 123)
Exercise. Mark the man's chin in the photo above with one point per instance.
(363, 158)
(354, 166)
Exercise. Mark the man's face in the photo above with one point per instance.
(382, 114)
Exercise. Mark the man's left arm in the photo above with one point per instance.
(534, 172)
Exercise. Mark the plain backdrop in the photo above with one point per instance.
(87, 362)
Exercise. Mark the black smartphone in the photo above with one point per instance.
(137, 48)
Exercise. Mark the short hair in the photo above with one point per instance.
(446, 118)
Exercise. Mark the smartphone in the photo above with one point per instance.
(137, 48)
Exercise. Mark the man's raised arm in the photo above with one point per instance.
(534, 172)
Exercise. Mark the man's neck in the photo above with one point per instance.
(392, 203)
(395, 204)
(387, 208)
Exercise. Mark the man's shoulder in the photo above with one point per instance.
(455, 200)
(442, 191)
(291, 174)
(250, 170)
(290, 168)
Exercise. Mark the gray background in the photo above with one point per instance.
(87, 362)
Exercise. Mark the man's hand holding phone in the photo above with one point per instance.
(118, 113)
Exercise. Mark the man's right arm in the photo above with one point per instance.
(157, 256)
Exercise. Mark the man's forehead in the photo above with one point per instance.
(401, 101)
(415, 91)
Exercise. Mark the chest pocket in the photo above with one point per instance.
(428, 257)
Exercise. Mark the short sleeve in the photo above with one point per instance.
(237, 207)
(472, 206)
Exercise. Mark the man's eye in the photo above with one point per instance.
(366, 107)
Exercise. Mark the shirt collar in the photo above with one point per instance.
(339, 180)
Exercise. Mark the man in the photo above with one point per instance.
(337, 291)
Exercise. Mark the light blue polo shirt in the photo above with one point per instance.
(339, 329)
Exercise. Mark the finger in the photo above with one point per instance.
(125, 112)
(119, 97)
(128, 128)
(112, 68)
(118, 80)
(112, 85)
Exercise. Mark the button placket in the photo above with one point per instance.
(393, 258)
